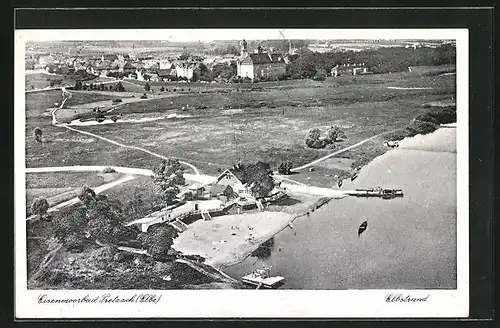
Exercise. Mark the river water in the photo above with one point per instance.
(410, 242)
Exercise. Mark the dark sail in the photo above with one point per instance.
(362, 227)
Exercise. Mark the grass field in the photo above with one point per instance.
(60, 186)
(40, 80)
(268, 124)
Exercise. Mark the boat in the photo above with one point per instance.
(392, 144)
(378, 192)
(262, 278)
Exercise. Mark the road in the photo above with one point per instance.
(338, 152)
(295, 187)
(201, 178)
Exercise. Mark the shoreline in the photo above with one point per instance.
(321, 202)
(408, 142)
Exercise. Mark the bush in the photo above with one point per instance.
(284, 168)
(319, 78)
(334, 134)
(37, 133)
(313, 139)
(162, 89)
(117, 100)
(40, 206)
(86, 195)
(158, 240)
(74, 243)
(144, 96)
(418, 127)
(108, 170)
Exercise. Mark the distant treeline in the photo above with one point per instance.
(308, 64)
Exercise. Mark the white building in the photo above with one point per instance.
(185, 70)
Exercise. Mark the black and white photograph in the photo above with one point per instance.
(273, 170)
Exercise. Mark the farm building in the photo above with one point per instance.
(349, 69)
(233, 178)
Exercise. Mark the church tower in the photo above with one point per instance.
(243, 49)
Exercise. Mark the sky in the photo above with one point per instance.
(205, 35)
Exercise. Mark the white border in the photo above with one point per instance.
(249, 303)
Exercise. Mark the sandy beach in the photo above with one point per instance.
(229, 239)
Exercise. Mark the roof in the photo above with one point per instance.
(110, 57)
(164, 72)
(237, 171)
(218, 189)
(263, 58)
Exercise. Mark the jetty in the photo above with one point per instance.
(261, 278)
(376, 192)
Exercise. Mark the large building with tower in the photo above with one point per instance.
(260, 64)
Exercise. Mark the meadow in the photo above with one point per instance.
(249, 122)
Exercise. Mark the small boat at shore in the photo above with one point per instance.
(392, 144)
(378, 192)
(261, 278)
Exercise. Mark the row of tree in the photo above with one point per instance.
(99, 86)
(308, 64)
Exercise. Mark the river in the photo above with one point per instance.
(410, 242)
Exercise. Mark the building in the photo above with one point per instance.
(166, 74)
(349, 69)
(234, 177)
(185, 69)
(260, 64)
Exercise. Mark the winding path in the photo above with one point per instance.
(56, 123)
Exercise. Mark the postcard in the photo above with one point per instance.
(241, 173)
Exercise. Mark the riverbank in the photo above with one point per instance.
(410, 242)
(229, 239)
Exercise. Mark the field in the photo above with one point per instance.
(61, 186)
(265, 121)
(41, 80)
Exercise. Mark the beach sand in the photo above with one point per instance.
(231, 238)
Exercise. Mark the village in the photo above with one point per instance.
(169, 169)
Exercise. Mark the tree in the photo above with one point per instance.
(196, 76)
(259, 178)
(87, 195)
(158, 240)
(334, 133)
(147, 87)
(284, 168)
(37, 134)
(162, 89)
(136, 207)
(313, 137)
(78, 85)
(106, 221)
(40, 206)
(70, 226)
(120, 87)
(52, 83)
(169, 176)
